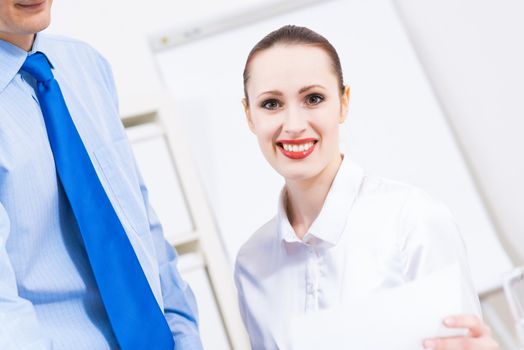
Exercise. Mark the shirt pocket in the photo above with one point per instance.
(119, 177)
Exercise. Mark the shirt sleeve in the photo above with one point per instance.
(256, 337)
(109, 80)
(430, 241)
(240, 294)
(19, 326)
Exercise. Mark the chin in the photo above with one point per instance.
(36, 22)
(298, 172)
(39, 24)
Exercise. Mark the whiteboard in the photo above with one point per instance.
(395, 127)
(158, 170)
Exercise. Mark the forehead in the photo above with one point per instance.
(291, 66)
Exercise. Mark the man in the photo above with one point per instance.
(83, 262)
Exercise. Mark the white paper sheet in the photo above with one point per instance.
(395, 319)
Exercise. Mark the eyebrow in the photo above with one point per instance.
(302, 90)
(309, 87)
(271, 92)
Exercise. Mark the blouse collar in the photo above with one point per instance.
(331, 221)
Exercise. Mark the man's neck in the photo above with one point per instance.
(23, 41)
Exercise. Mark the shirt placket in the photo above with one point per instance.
(313, 273)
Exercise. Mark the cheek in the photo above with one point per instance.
(266, 127)
(5, 16)
(267, 132)
(326, 124)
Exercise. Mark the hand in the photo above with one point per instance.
(478, 338)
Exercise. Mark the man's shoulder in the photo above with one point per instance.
(62, 44)
(61, 39)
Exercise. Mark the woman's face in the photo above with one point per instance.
(295, 109)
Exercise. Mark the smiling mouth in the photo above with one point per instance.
(297, 149)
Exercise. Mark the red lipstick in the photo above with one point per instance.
(289, 149)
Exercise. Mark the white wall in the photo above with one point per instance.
(473, 52)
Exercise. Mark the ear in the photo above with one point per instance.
(247, 112)
(344, 104)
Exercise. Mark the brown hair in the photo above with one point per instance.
(295, 35)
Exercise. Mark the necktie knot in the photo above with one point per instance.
(38, 66)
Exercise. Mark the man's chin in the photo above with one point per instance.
(38, 25)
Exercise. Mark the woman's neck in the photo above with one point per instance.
(305, 198)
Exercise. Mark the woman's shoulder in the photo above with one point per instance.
(399, 193)
(420, 215)
(406, 204)
(259, 244)
(261, 240)
(374, 184)
(423, 230)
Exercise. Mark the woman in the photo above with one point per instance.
(339, 232)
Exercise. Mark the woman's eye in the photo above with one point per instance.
(270, 104)
(314, 99)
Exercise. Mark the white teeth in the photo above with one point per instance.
(297, 148)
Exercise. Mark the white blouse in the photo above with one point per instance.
(371, 234)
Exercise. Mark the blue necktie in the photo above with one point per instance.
(134, 314)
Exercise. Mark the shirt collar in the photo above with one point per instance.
(38, 44)
(331, 221)
(285, 229)
(12, 58)
(41, 45)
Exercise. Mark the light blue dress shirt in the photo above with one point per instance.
(48, 296)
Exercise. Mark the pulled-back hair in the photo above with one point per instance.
(295, 35)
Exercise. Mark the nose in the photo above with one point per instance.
(295, 122)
